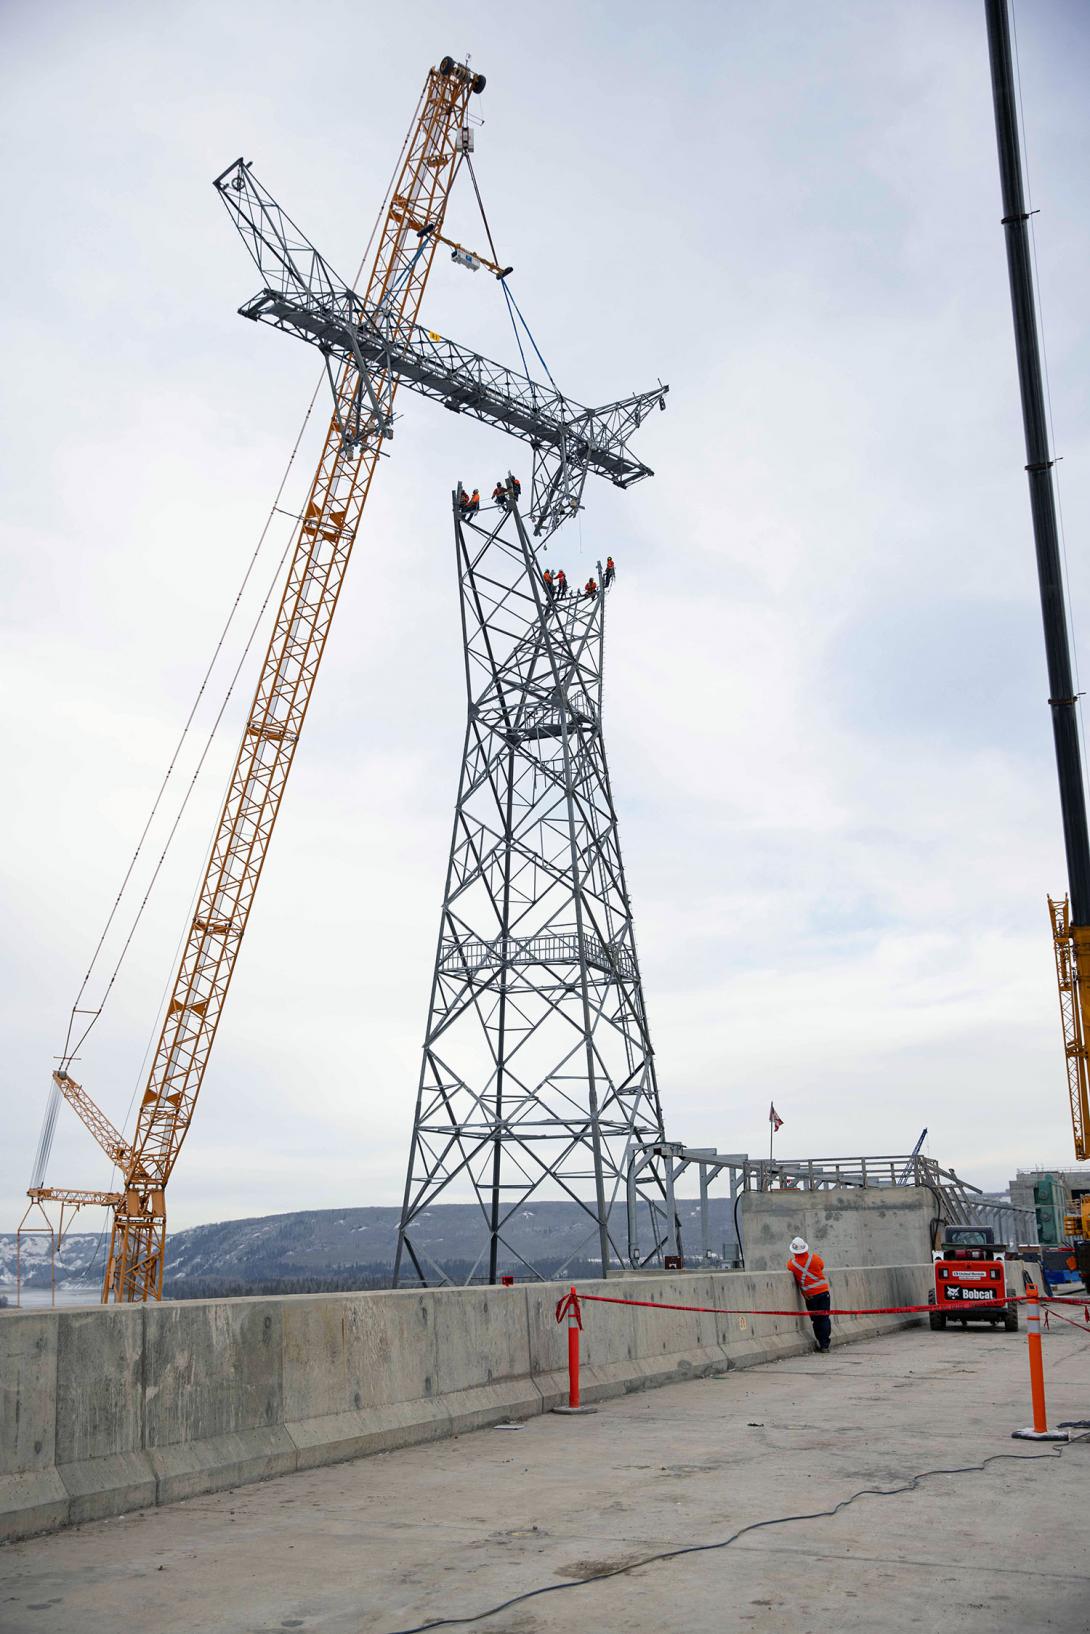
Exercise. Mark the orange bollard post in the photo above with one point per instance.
(1040, 1430)
(575, 1323)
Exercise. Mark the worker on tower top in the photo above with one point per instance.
(547, 581)
(590, 589)
(610, 573)
(561, 584)
(499, 495)
(468, 504)
(808, 1270)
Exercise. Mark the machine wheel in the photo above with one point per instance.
(479, 83)
(937, 1321)
(1010, 1321)
(446, 67)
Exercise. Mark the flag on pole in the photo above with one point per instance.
(774, 1118)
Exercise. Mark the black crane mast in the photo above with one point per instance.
(1070, 920)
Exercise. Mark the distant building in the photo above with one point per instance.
(1050, 1193)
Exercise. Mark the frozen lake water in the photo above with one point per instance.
(36, 1299)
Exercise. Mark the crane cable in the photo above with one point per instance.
(73, 1044)
(71, 1049)
(512, 305)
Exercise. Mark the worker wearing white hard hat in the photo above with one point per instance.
(808, 1270)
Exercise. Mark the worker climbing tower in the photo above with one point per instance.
(538, 1075)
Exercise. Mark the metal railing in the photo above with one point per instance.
(957, 1202)
(466, 958)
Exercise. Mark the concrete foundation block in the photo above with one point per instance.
(608, 1339)
(192, 1467)
(482, 1337)
(347, 1353)
(28, 1391)
(673, 1332)
(107, 1410)
(237, 1342)
(341, 1436)
(493, 1404)
(552, 1387)
(393, 1349)
(100, 1382)
(776, 1349)
(847, 1226)
(35, 1501)
(606, 1379)
(99, 1487)
(321, 1375)
(702, 1363)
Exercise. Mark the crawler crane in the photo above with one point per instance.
(371, 343)
(331, 518)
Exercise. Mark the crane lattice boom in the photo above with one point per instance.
(320, 555)
(371, 342)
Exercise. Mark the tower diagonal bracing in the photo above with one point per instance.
(538, 1074)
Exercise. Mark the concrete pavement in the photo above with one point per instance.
(453, 1528)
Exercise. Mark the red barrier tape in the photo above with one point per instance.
(730, 1310)
(565, 1304)
(1060, 1317)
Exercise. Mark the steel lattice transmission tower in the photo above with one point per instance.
(538, 1075)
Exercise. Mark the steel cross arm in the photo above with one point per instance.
(468, 383)
(304, 297)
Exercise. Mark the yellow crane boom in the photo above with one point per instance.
(323, 544)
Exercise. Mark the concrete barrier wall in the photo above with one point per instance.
(118, 1407)
(888, 1225)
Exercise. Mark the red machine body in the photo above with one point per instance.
(971, 1281)
(966, 1286)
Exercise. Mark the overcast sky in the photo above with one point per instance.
(825, 688)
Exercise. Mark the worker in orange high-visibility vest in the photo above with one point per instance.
(808, 1270)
